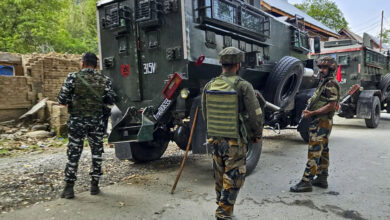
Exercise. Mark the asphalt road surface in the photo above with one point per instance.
(359, 185)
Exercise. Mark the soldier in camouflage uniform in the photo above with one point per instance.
(321, 109)
(226, 101)
(86, 93)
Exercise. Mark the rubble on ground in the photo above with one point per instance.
(31, 179)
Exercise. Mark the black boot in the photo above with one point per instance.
(95, 187)
(303, 186)
(321, 181)
(68, 192)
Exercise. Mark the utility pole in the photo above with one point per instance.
(380, 44)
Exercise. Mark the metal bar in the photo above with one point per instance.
(272, 106)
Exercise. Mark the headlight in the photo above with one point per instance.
(184, 93)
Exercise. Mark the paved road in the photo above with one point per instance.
(359, 185)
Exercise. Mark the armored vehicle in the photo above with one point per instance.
(365, 78)
(161, 53)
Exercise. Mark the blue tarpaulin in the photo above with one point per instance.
(6, 70)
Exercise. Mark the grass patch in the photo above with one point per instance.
(4, 153)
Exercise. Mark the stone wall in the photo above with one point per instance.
(42, 76)
(49, 71)
(16, 96)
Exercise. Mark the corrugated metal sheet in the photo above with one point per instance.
(292, 10)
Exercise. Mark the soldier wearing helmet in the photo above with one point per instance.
(234, 119)
(321, 109)
(87, 94)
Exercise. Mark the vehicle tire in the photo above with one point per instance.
(284, 81)
(388, 106)
(147, 151)
(303, 129)
(375, 114)
(384, 86)
(253, 156)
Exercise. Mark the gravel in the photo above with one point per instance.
(37, 176)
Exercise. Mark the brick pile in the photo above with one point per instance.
(58, 118)
(15, 98)
(43, 76)
(50, 70)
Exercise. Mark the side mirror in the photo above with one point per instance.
(317, 44)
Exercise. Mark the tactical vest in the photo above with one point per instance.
(87, 100)
(319, 101)
(222, 108)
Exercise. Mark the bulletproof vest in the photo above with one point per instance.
(222, 108)
(319, 101)
(88, 95)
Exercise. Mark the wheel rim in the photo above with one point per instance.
(289, 86)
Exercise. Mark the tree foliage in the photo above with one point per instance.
(48, 25)
(386, 36)
(325, 11)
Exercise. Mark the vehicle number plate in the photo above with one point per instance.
(150, 68)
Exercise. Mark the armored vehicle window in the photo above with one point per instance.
(301, 40)
(252, 21)
(343, 60)
(224, 11)
(368, 57)
(233, 15)
(374, 58)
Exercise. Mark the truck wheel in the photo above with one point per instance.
(147, 151)
(375, 114)
(253, 156)
(384, 86)
(388, 106)
(284, 81)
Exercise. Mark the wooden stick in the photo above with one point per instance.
(186, 154)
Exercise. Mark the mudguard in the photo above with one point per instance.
(365, 101)
(133, 127)
(122, 150)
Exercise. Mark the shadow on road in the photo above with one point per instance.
(349, 126)
(287, 139)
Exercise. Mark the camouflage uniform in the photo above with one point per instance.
(86, 93)
(321, 125)
(229, 152)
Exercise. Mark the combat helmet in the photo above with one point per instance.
(329, 62)
(231, 55)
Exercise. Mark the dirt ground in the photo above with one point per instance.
(35, 174)
(359, 182)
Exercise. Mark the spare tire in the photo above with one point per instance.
(284, 81)
(384, 86)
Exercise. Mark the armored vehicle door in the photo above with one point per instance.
(134, 52)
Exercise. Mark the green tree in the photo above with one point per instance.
(48, 25)
(28, 25)
(386, 36)
(325, 11)
(78, 32)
